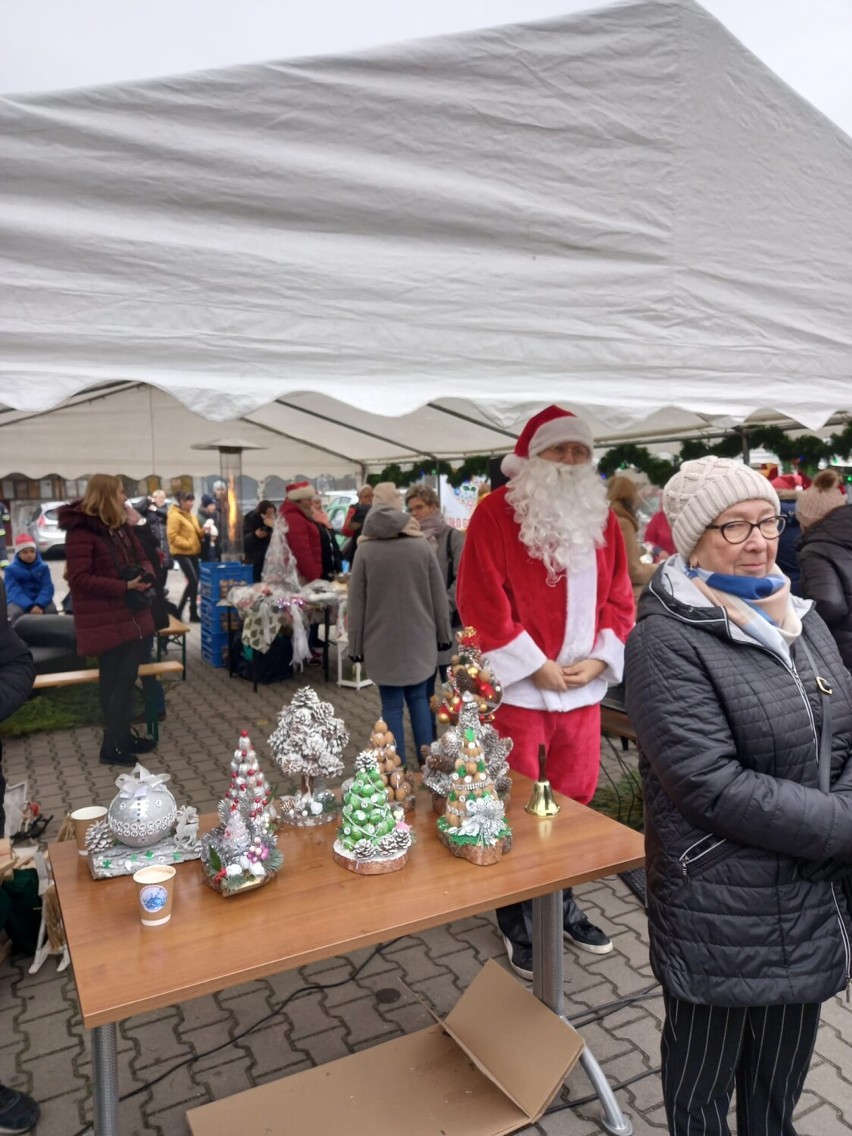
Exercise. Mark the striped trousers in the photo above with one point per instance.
(763, 1051)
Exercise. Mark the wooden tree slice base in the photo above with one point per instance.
(368, 867)
(479, 854)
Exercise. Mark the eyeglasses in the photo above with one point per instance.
(738, 532)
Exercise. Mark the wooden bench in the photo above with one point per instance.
(176, 632)
(615, 723)
(80, 678)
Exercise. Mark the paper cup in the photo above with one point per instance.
(83, 821)
(155, 888)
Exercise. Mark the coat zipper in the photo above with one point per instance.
(686, 859)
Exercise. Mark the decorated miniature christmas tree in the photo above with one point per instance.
(372, 837)
(468, 673)
(440, 758)
(474, 824)
(398, 784)
(248, 791)
(308, 744)
(241, 852)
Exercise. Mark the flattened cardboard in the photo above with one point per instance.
(515, 1039)
(435, 1080)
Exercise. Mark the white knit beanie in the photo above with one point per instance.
(704, 488)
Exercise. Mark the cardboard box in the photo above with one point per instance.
(491, 1068)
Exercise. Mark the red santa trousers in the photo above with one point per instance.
(572, 740)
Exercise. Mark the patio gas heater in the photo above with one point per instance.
(230, 472)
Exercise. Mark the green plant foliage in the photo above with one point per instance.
(622, 801)
(58, 709)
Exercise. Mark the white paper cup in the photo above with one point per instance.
(155, 889)
(83, 820)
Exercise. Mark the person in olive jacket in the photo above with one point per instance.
(185, 539)
(825, 556)
(745, 848)
(102, 552)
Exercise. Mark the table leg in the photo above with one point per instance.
(105, 1072)
(548, 987)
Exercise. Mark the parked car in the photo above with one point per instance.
(44, 528)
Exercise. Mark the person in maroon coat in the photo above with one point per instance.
(302, 533)
(102, 552)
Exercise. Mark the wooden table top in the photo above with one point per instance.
(314, 909)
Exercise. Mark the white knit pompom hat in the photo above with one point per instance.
(704, 488)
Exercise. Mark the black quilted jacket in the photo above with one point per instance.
(733, 811)
(825, 564)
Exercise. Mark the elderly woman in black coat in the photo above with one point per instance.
(745, 846)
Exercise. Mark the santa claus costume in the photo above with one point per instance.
(544, 577)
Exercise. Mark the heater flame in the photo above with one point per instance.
(232, 510)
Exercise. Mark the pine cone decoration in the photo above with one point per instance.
(100, 837)
(364, 850)
(366, 759)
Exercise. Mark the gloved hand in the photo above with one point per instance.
(444, 646)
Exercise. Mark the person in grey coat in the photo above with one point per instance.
(748, 925)
(399, 618)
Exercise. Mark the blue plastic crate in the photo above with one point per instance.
(214, 619)
(218, 579)
(214, 648)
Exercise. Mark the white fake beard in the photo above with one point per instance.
(562, 511)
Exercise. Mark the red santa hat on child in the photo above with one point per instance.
(22, 541)
(299, 491)
(550, 427)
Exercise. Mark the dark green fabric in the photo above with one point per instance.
(20, 909)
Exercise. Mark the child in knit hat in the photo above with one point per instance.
(29, 588)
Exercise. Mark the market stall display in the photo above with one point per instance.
(399, 787)
(241, 852)
(308, 745)
(372, 838)
(467, 701)
(143, 827)
(474, 826)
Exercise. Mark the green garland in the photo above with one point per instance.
(807, 452)
(476, 466)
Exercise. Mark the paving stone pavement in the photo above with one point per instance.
(206, 1049)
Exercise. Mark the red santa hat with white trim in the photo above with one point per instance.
(300, 491)
(550, 427)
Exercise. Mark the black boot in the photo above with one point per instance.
(112, 755)
(194, 617)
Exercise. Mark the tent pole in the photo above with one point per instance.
(355, 429)
(744, 439)
(472, 421)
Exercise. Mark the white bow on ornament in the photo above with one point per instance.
(139, 781)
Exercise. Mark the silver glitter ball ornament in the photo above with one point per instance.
(141, 821)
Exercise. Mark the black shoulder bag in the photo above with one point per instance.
(137, 599)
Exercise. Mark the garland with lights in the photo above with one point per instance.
(806, 453)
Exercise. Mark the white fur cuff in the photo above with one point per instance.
(517, 659)
(609, 649)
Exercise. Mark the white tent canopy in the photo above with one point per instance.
(623, 211)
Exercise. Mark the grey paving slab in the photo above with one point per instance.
(367, 997)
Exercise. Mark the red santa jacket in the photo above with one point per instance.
(304, 540)
(523, 620)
